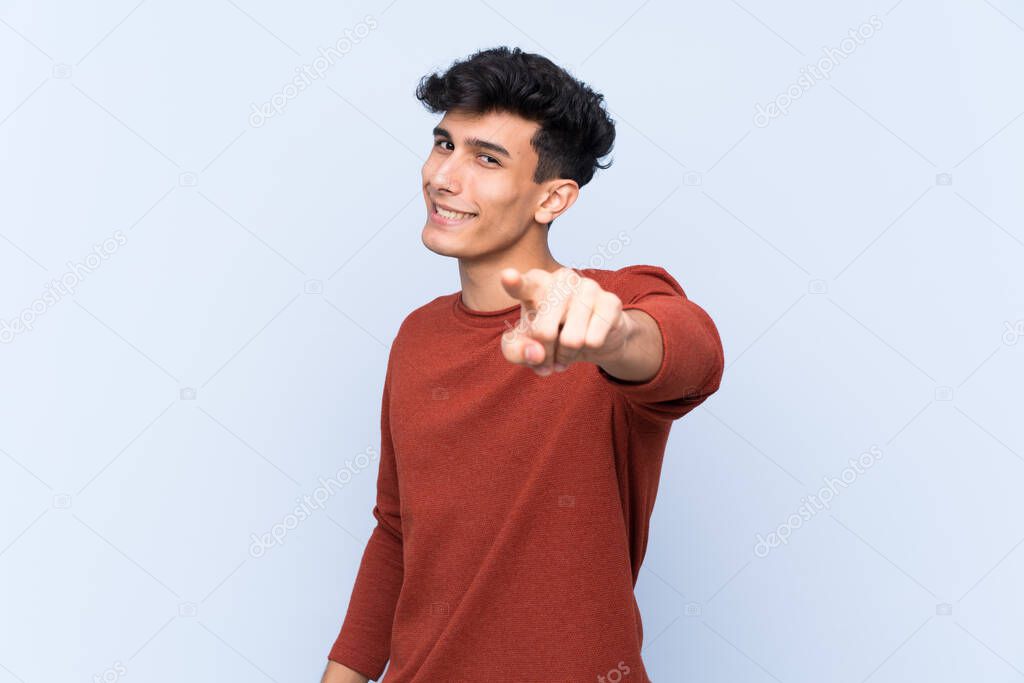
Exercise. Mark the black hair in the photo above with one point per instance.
(575, 130)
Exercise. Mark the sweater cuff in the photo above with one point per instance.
(691, 362)
(635, 387)
(357, 661)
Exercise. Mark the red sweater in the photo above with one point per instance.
(512, 509)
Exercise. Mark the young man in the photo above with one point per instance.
(524, 418)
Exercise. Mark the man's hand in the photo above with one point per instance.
(567, 318)
(339, 673)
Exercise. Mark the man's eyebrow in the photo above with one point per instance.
(475, 142)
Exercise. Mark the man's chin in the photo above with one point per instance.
(439, 241)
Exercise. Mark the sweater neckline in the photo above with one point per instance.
(495, 318)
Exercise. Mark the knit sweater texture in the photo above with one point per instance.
(512, 509)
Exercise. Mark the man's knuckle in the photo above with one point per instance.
(572, 342)
(545, 334)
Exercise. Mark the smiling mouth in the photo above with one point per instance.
(450, 217)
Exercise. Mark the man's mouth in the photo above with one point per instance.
(448, 217)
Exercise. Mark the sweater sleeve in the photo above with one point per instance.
(364, 642)
(693, 359)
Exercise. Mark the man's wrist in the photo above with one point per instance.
(639, 357)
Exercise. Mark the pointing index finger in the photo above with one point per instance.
(518, 285)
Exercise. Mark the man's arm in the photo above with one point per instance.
(657, 348)
(672, 359)
(363, 645)
(640, 356)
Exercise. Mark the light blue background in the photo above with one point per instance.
(864, 299)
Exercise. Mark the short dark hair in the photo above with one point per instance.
(575, 130)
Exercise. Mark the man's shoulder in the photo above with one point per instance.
(427, 314)
(439, 304)
(630, 283)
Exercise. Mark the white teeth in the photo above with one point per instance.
(453, 214)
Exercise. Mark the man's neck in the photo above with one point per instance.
(481, 280)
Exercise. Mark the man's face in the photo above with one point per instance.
(481, 165)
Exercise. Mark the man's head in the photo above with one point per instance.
(519, 138)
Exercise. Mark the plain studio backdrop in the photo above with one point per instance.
(210, 233)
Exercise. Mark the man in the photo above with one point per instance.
(524, 418)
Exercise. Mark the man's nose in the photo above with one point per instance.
(446, 175)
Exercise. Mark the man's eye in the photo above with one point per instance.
(491, 161)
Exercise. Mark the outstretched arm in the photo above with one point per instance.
(648, 340)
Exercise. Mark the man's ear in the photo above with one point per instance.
(561, 194)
